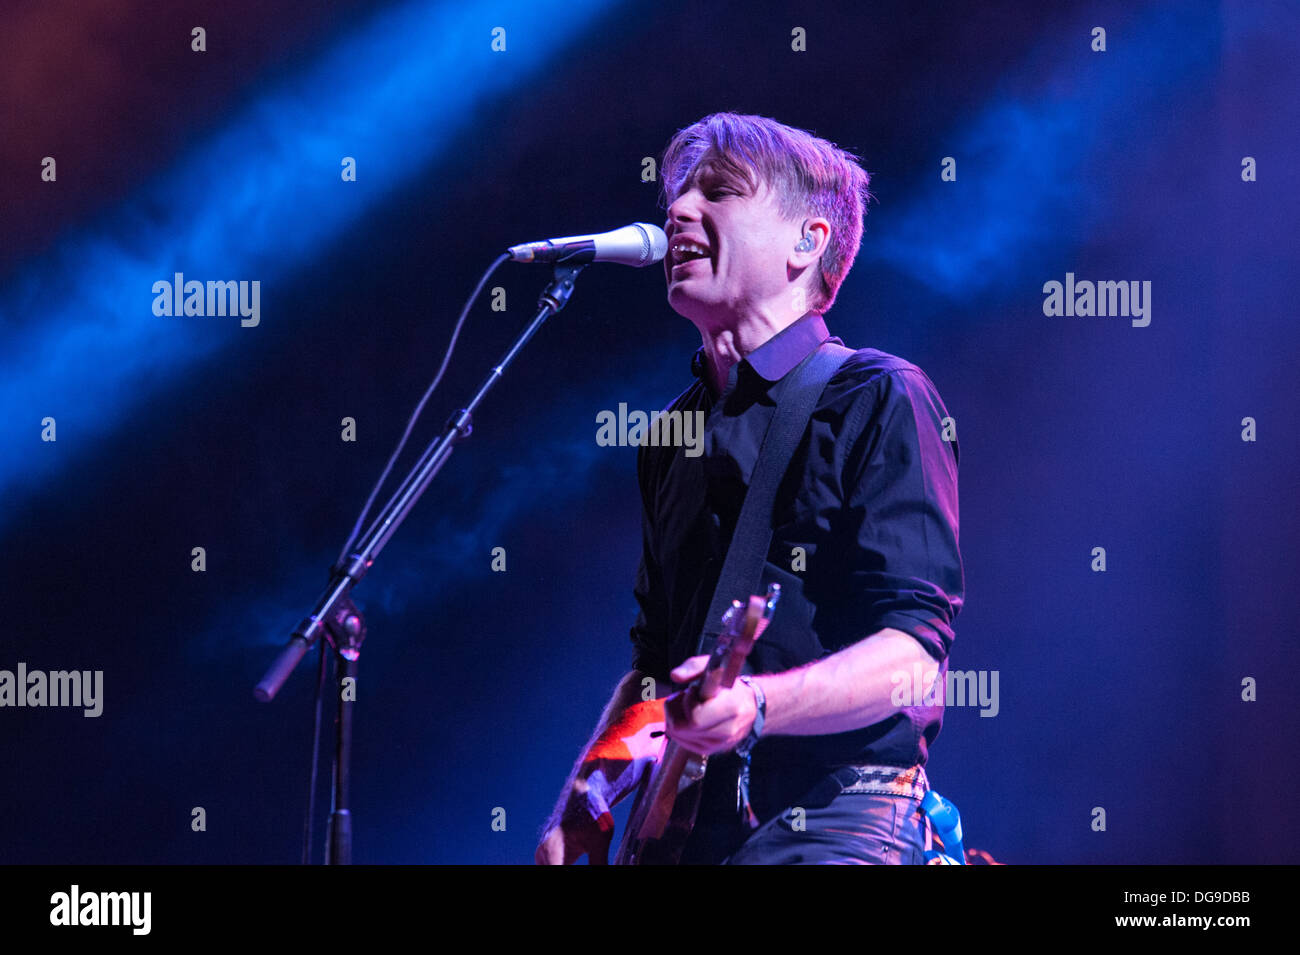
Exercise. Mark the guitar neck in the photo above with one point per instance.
(663, 814)
(729, 658)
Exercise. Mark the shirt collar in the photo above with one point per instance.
(776, 357)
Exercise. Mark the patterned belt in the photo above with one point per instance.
(907, 781)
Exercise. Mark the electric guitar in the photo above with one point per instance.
(669, 796)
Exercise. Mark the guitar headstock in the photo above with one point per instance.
(740, 617)
(742, 625)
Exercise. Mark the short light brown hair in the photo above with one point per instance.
(810, 177)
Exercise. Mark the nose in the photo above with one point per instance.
(685, 208)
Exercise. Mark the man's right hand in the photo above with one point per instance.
(576, 833)
(566, 844)
(612, 767)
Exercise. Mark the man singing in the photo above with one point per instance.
(764, 222)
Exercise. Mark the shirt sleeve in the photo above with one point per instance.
(649, 634)
(904, 566)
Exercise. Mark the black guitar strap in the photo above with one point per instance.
(742, 570)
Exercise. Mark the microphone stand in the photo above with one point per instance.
(337, 619)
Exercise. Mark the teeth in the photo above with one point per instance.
(682, 249)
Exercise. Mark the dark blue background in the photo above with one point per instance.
(1120, 690)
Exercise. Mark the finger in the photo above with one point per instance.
(690, 669)
(551, 849)
(543, 855)
(564, 847)
(681, 706)
(715, 712)
(676, 711)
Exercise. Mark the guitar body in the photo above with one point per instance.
(668, 800)
(670, 811)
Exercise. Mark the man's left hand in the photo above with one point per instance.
(709, 726)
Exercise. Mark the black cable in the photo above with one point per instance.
(410, 424)
(420, 407)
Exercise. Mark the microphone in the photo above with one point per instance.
(638, 244)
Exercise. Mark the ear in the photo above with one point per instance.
(820, 230)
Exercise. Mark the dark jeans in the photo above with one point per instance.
(858, 816)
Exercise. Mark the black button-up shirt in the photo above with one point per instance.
(865, 534)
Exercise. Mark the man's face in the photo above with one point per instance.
(746, 241)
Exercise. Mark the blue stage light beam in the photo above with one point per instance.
(255, 201)
(1023, 160)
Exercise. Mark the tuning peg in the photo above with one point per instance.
(773, 595)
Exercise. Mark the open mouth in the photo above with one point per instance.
(685, 251)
